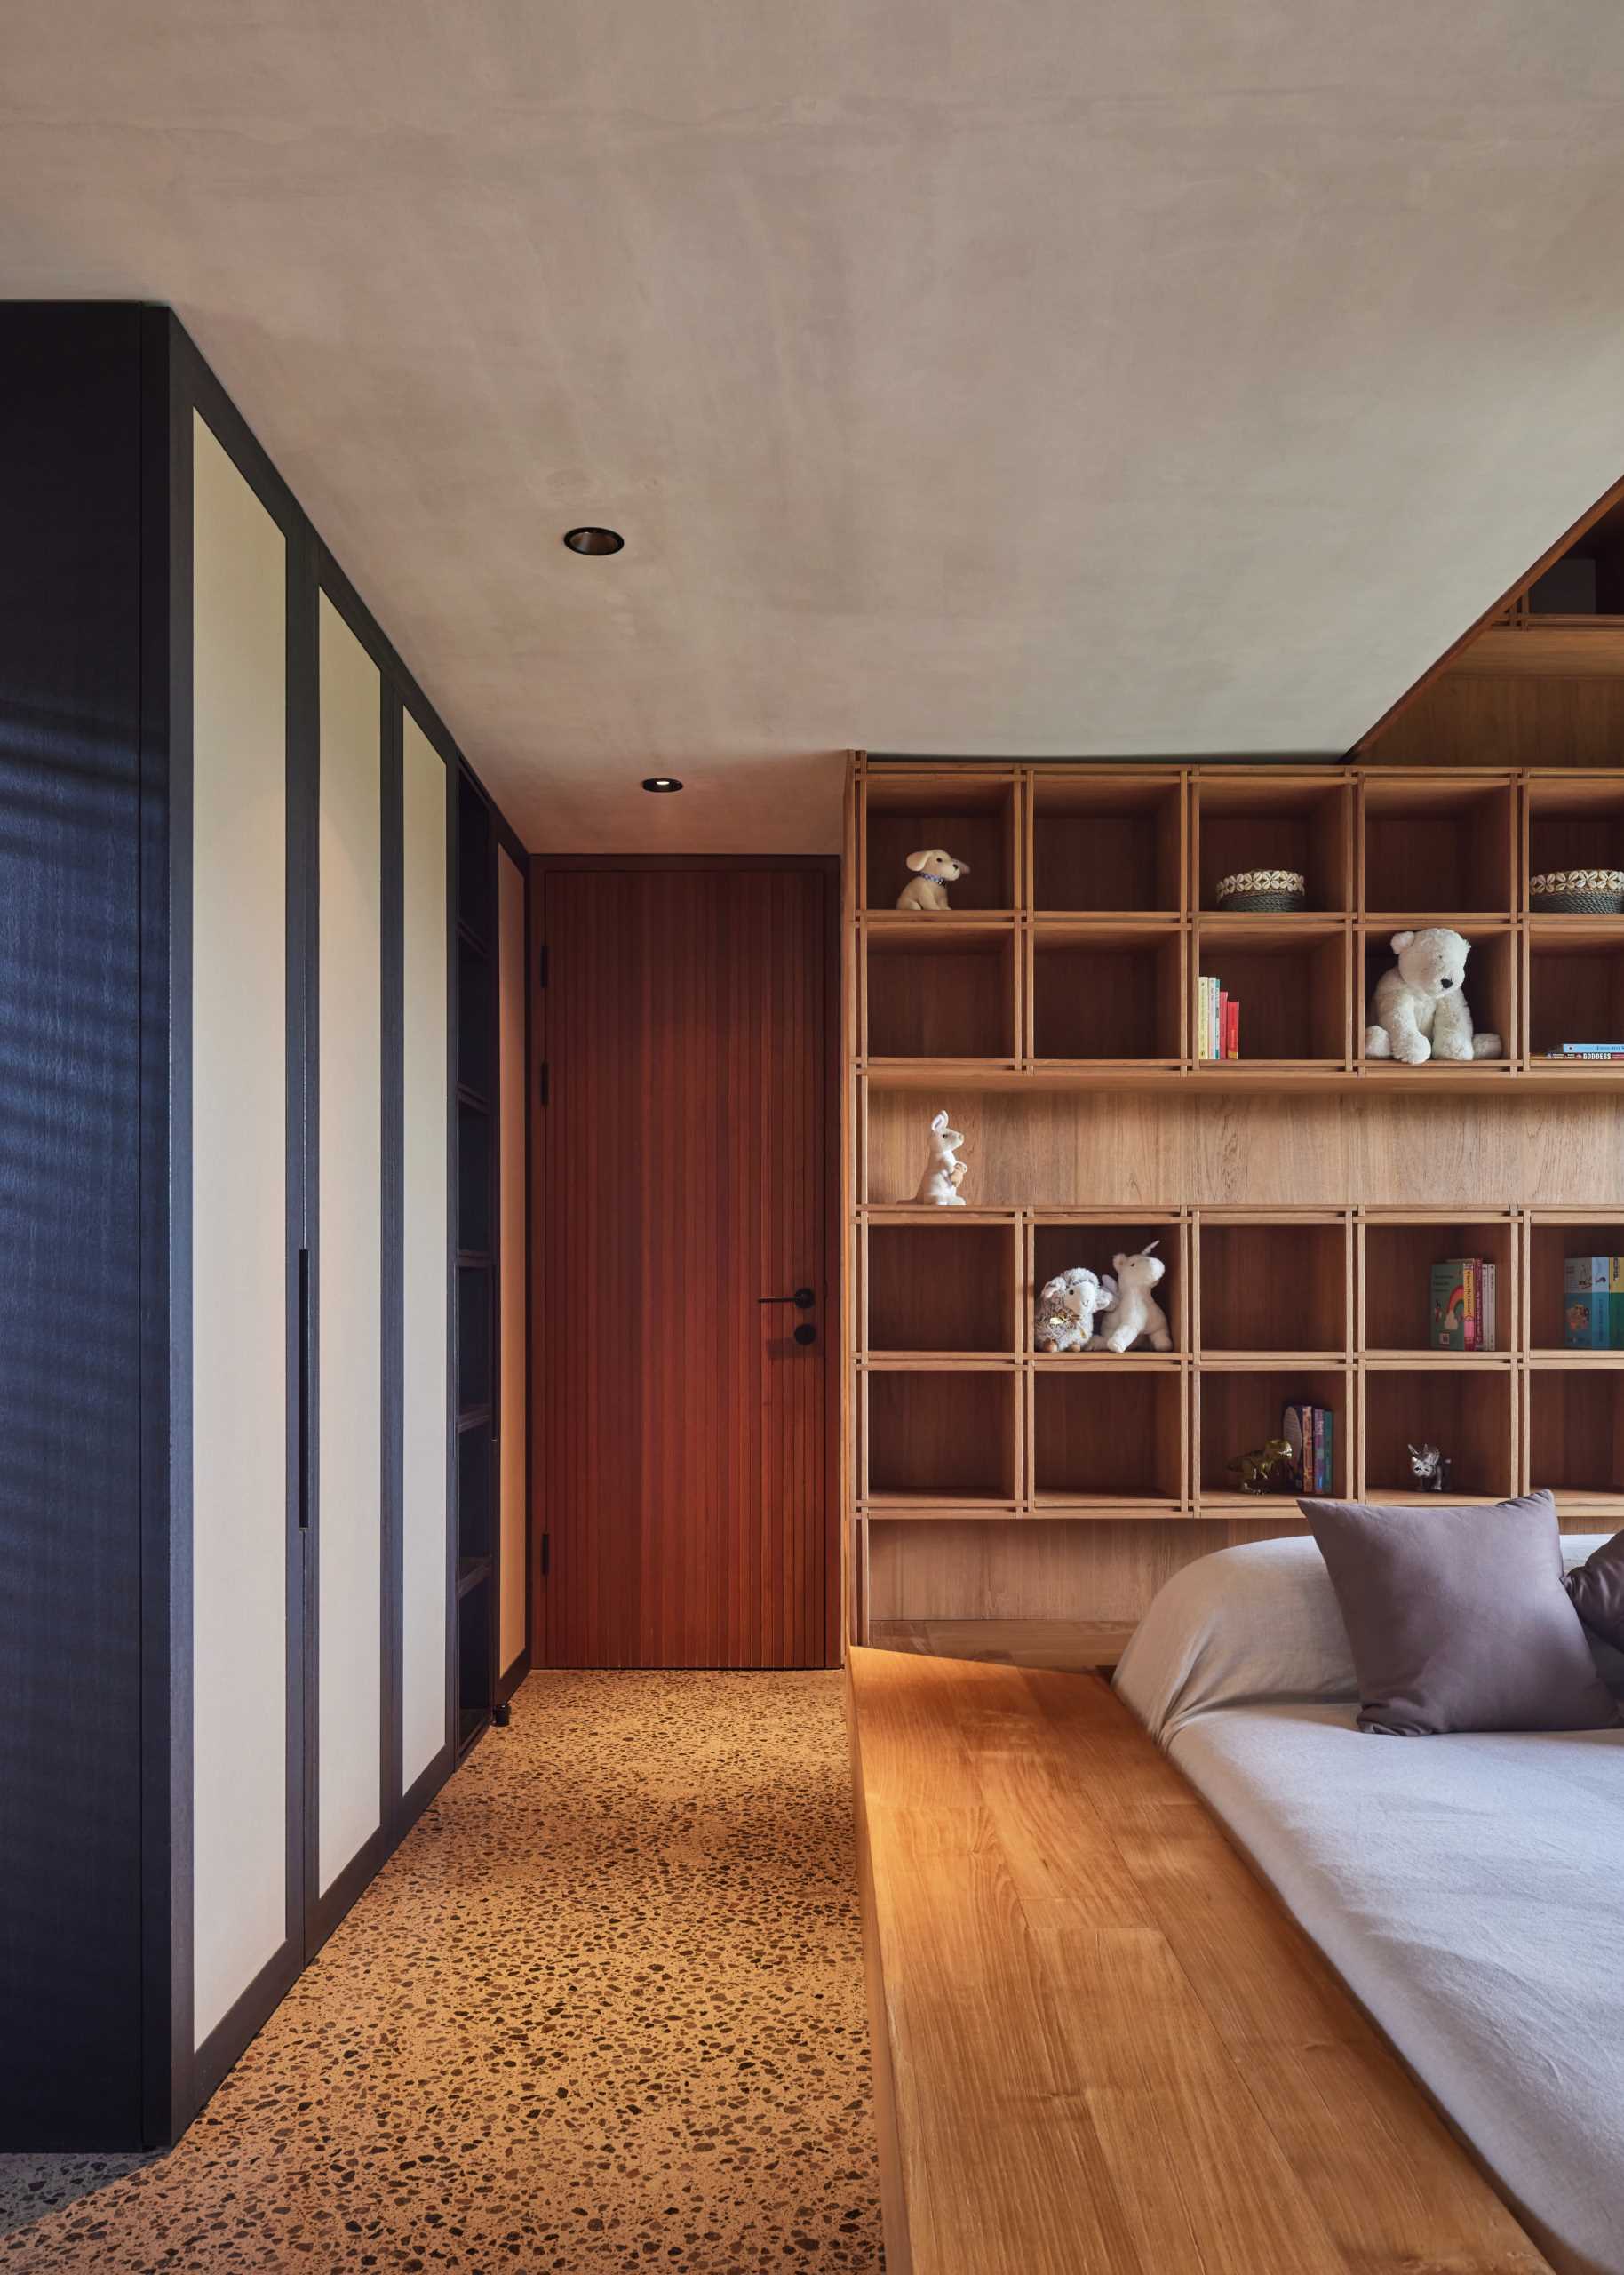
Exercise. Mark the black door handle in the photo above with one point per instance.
(803, 1299)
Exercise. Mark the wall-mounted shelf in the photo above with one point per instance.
(1058, 1031)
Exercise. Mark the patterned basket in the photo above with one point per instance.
(1578, 892)
(1264, 893)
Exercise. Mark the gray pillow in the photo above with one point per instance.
(1459, 1619)
(1596, 1587)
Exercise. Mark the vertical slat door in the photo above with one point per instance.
(512, 1492)
(238, 1194)
(681, 1429)
(425, 1630)
(345, 1747)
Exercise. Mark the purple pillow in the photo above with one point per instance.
(1459, 1619)
(1596, 1588)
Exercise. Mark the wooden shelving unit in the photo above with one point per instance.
(1300, 1196)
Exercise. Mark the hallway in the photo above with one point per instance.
(602, 2010)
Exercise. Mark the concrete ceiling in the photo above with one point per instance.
(1030, 377)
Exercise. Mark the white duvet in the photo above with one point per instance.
(1468, 1889)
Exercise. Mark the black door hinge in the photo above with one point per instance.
(547, 1554)
(541, 969)
(544, 1083)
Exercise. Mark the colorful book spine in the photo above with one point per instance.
(1491, 1307)
(1446, 1308)
(1587, 1302)
(1232, 1039)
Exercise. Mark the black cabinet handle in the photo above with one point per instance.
(304, 1390)
(803, 1299)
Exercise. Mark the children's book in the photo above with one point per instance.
(1446, 1312)
(1585, 1303)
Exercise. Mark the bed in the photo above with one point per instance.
(1468, 1889)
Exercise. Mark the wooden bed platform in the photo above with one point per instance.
(1100, 2044)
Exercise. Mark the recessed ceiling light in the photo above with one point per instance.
(661, 782)
(591, 540)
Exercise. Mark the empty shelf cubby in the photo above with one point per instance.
(940, 1286)
(475, 1483)
(1063, 1244)
(1106, 1431)
(946, 991)
(1275, 1287)
(1290, 979)
(942, 1436)
(1110, 993)
(972, 819)
(1400, 1257)
(1551, 1244)
(1437, 846)
(1489, 989)
(1575, 984)
(473, 1219)
(474, 1021)
(1466, 1412)
(473, 1351)
(1106, 843)
(1266, 821)
(1576, 1432)
(1241, 1408)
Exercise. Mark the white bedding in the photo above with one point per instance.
(1468, 1889)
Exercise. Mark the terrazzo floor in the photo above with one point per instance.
(603, 2009)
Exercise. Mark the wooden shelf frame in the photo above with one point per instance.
(1305, 973)
(1346, 1337)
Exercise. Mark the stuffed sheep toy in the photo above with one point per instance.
(1068, 1306)
(933, 872)
(1134, 1310)
(1418, 1011)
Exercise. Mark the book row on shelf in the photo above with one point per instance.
(1464, 1311)
(1310, 1433)
(1217, 1020)
(1592, 1303)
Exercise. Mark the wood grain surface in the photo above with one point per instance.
(1101, 2045)
(683, 1436)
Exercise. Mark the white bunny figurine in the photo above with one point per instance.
(933, 872)
(945, 1172)
(1136, 1310)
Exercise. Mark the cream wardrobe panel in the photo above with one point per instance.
(348, 1189)
(425, 1060)
(515, 1579)
(239, 1193)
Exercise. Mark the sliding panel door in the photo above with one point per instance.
(346, 1755)
(237, 1149)
(425, 1660)
(513, 1592)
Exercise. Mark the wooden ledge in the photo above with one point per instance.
(1101, 2046)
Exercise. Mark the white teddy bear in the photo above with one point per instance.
(1067, 1307)
(1418, 1011)
(1135, 1312)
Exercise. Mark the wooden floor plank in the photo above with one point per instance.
(1101, 2046)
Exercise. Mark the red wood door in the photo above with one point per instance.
(682, 1459)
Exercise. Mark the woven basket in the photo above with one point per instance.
(1264, 893)
(1578, 892)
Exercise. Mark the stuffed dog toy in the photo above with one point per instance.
(934, 870)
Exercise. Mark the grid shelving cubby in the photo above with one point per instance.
(1490, 989)
(1275, 820)
(1108, 1433)
(1399, 1252)
(944, 1283)
(1275, 1284)
(1106, 844)
(1109, 992)
(1576, 1436)
(1063, 1242)
(942, 1435)
(1438, 845)
(968, 814)
(1290, 977)
(1239, 1406)
(1554, 1236)
(941, 987)
(1576, 821)
(1470, 1412)
(1575, 986)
